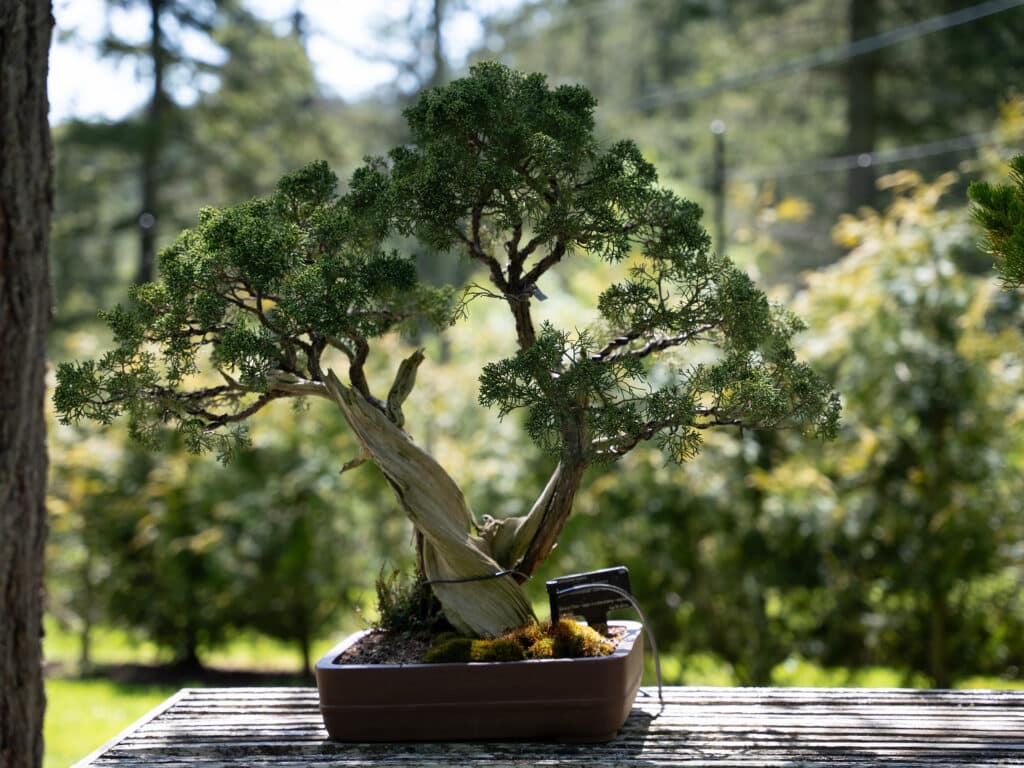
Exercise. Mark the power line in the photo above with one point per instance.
(833, 55)
(869, 159)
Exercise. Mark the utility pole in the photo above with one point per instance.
(861, 105)
(718, 183)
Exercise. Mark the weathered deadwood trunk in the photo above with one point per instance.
(438, 510)
(450, 545)
(26, 203)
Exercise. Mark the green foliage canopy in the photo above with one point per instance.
(257, 292)
(261, 291)
(500, 162)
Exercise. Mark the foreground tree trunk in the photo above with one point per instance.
(25, 206)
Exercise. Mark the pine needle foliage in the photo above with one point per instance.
(999, 209)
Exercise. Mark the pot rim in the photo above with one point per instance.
(633, 630)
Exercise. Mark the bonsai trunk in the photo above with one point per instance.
(452, 546)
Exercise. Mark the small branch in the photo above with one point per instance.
(525, 332)
(608, 353)
(313, 354)
(384, 314)
(531, 246)
(512, 248)
(290, 384)
(280, 384)
(621, 445)
(554, 256)
(232, 382)
(356, 373)
(716, 419)
(477, 252)
(358, 461)
(611, 346)
(220, 419)
(405, 380)
(477, 291)
(341, 346)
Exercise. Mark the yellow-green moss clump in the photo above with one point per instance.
(565, 640)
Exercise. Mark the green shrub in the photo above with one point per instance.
(407, 606)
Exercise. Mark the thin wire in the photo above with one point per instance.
(832, 55)
(870, 159)
(484, 577)
(636, 606)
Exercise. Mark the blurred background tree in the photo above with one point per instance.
(925, 491)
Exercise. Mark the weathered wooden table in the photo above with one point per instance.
(281, 728)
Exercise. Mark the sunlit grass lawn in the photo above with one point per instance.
(81, 715)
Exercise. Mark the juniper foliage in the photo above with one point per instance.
(507, 170)
(256, 293)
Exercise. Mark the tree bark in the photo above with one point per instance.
(439, 72)
(535, 538)
(152, 149)
(26, 203)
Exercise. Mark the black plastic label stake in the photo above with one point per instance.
(568, 598)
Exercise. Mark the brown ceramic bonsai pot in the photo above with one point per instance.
(584, 700)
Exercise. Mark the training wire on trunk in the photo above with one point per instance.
(485, 577)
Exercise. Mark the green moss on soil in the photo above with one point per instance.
(565, 640)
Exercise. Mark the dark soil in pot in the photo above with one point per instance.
(383, 647)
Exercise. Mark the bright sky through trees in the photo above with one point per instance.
(83, 85)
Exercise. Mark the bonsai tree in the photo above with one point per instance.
(1000, 211)
(284, 297)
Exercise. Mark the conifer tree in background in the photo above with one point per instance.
(282, 296)
(1000, 211)
(262, 116)
(162, 51)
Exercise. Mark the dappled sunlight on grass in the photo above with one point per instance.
(800, 672)
(81, 715)
(245, 650)
(999, 683)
